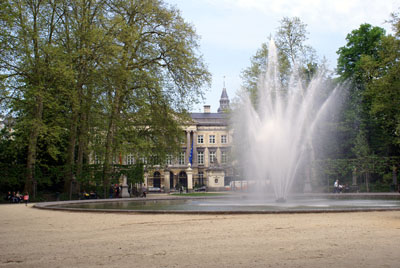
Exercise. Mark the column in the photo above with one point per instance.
(146, 180)
(166, 181)
(189, 173)
(124, 192)
(354, 177)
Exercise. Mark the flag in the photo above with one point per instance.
(191, 155)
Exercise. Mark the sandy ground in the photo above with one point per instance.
(31, 237)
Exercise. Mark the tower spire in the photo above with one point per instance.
(224, 100)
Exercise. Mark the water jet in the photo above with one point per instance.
(274, 135)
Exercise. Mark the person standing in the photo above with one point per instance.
(144, 189)
(26, 198)
(9, 197)
(18, 197)
(336, 186)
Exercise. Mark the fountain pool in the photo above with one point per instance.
(237, 204)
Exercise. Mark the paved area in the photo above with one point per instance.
(41, 238)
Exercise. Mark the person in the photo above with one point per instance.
(116, 191)
(18, 197)
(9, 197)
(144, 191)
(85, 194)
(340, 188)
(14, 198)
(26, 198)
(93, 195)
(336, 186)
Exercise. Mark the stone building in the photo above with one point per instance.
(204, 156)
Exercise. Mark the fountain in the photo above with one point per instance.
(275, 135)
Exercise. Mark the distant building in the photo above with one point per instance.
(204, 157)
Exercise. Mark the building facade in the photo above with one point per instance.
(204, 156)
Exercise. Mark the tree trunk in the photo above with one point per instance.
(30, 182)
(70, 161)
(83, 139)
(110, 141)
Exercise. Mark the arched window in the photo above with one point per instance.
(182, 178)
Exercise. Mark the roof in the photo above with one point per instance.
(210, 119)
(224, 95)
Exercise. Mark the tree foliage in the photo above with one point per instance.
(366, 40)
(88, 80)
(369, 123)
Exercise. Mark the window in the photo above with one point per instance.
(224, 157)
(182, 139)
(181, 158)
(143, 160)
(155, 160)
(213, 157)
(212, 138)
(223, 139)
(200, 158)
(169, 159)
(201, 177)
(129, 159)
(200, 139)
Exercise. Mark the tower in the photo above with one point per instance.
(224, 100)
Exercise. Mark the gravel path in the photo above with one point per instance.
(41, 238)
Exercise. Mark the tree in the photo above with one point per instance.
(153, 66)
(364, 41)
(382, 92)
(84, 42)
(94, 79)
(294, 57)
(30, 72)
(290, 38)
(251, 75)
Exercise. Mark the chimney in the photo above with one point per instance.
(207, 109)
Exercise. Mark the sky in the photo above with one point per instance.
(231, 31)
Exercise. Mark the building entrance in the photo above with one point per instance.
(182, 178)
(157, 179)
